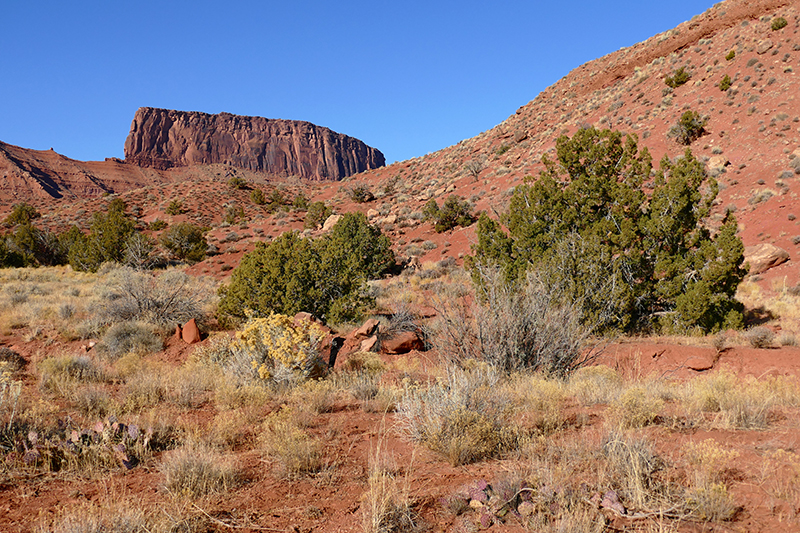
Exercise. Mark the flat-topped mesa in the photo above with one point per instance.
(163, 138)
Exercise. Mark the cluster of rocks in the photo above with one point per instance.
(371, 336)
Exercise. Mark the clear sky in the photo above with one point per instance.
(407, 77)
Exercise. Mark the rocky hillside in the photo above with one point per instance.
(162, 138)
(751, 145)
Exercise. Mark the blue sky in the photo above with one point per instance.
(405, 77)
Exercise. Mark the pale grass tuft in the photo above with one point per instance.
(635, 408)
(540, 400)
(632, 465)
(296, 451)
(708, 497)
(316, 395)
(195, 470)
(735, 402)
(466, 416)
(386, 507)
(595, 384)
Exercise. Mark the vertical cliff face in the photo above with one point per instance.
(162, 138)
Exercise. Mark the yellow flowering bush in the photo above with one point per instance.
(278, 349)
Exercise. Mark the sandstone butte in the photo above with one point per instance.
(163, 138)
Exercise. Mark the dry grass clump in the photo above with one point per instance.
(118, 519)
(466, 416)
(760, 337)
(595, 385)
(633, 463)
(139, 338)
(708, 497)
(283, 440)
(386, 506)
(635, 408)
(734, 402)
(144, 389)
(61, 372)
(540, 400)
(316, 395)
(195, 470)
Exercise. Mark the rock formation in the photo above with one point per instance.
(162, 138)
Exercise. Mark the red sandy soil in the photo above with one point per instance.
(264, 499)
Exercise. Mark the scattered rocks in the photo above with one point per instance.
(762, 257)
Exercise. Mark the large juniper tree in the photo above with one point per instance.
(632, 260)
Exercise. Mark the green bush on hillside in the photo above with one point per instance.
(454, 212)
(186, 241)
(631, 261)
(106, 240)
(725, 84)
(257, 197)
(779, 23)
(680, 77)
(326, 276)
(175, 207)
(317, 214)
(690, 127)
(22, 213)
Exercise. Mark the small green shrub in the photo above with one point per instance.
(454, 212)
(317, 214)
(779, 23)
(502, 149)
(157, 225)
(257, 197)
(129, 337)
(22, 213)
(730, 55)
(186, 241)
(105, 242)
(325, 276)
(237, 182)
(233, 213)
(725, 84)
(360, 194)
(680, 77)
(690, 127)
(300, 201)
(175, 207)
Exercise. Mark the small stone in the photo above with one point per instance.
(330, 222)
(191, 333)
(369, 345)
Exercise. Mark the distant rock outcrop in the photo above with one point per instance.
(162, 138)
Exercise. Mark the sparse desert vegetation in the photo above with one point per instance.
(591, 355)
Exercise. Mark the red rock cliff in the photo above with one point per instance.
(162, 138)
